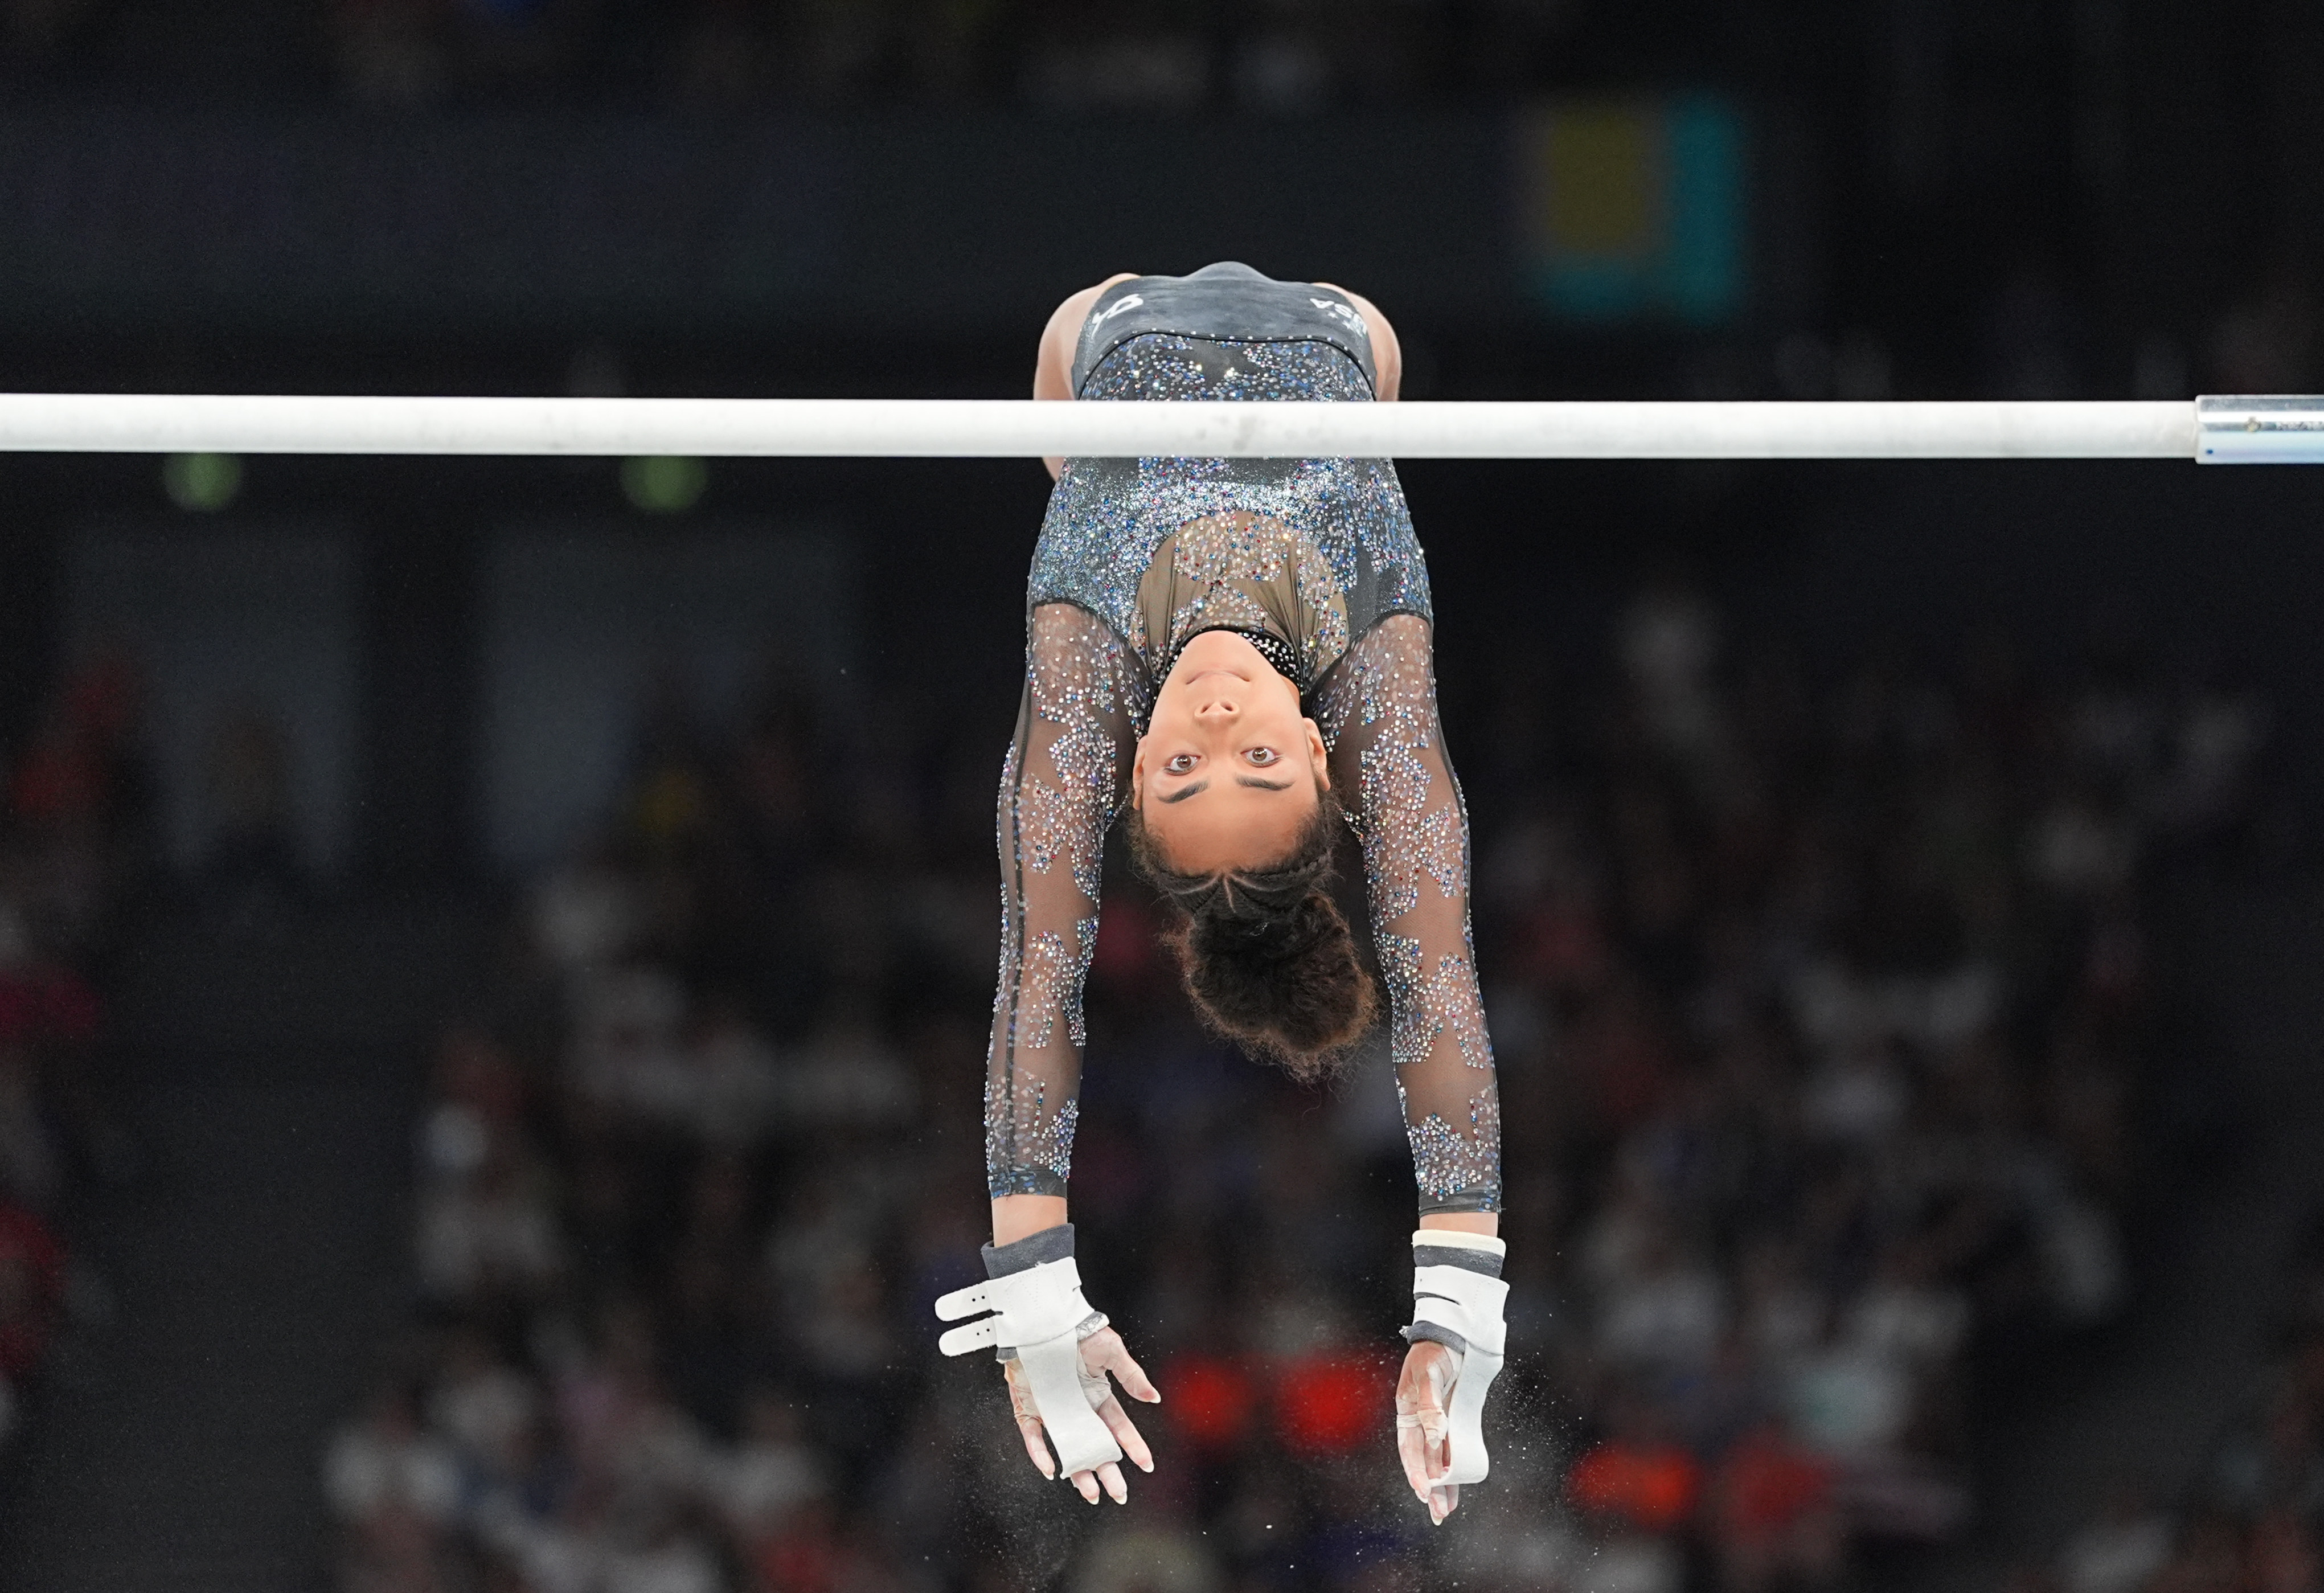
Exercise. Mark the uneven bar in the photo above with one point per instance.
(147, 423)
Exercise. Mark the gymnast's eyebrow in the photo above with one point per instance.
(1244, 779)
(1196, 789)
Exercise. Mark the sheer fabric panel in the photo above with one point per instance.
(1378, 712)
(1064, 780)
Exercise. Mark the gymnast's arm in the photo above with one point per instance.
(1387, 352)
(1053, 375)
(1061, 784)
(1389, 767)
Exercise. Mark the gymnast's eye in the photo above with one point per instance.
(1181, 763)
(1263, 756)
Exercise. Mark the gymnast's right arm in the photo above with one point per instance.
(1053, 373)
(1061, 784)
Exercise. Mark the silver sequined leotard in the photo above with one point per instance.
(1316, 560)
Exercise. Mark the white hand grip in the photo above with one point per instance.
(1469, 1303)
(1038, 1313)
(976, 1336)
(961, 1303)
(1082, 1441)
(1464, 1418)
(1032, 1305)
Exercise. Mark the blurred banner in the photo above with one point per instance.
(912, 224)
(1635, 209)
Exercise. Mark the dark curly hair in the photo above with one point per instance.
(1265, 953)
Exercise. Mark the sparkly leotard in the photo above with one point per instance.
(1315, 561)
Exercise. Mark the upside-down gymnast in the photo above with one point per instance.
(1232, 660)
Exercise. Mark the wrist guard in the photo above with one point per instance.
(1458, 1298)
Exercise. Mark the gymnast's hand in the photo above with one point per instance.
(1420, 1426)
(1102, 1352)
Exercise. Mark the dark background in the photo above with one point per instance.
(295, 756)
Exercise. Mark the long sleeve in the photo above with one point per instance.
(1064, 778)
(1377, 711)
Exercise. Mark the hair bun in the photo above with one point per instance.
(1267, 956)
(1276, 937)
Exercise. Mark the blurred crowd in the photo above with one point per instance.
(1829, 1007)
(76, 833)
(2253, 1515)
(1824, 1007)
(1283, 57)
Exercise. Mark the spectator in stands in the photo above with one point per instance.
(74, 851)
(1775, 1520)
(31, 1303)
(2121, 1550)
(252, 870)
(394, 1488)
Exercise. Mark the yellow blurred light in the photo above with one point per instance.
(1604, 180)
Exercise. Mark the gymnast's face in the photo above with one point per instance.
(1229, 769)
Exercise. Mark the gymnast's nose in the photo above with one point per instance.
(1218, 707)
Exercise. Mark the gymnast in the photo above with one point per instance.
(1230, 659)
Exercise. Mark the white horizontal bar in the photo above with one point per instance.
(148, 423)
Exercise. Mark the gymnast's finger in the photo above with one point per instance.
(1441, 1503)
(1411, 1447)
(1420, 1426)
(1116, 1490)
(1086, 1481)
(1437, 1445)
(1029, 1429)
(1130, 1373)
(1125, 1433)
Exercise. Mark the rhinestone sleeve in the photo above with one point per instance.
(1378, 712)
(1066, 770)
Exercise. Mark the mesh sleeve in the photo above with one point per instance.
(1377, 711)
(1065, 777)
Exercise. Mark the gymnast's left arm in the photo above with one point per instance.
(1389, 768)
(1061, 785)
